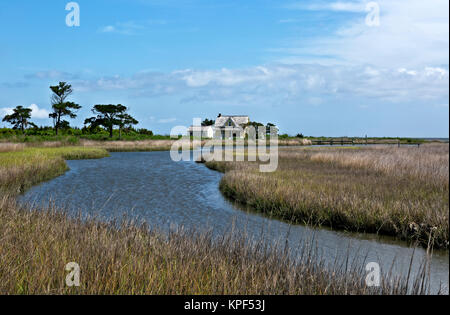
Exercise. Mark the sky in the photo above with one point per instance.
(321, 68)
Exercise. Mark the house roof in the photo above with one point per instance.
(237, 120)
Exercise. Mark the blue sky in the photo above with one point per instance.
(314, 67)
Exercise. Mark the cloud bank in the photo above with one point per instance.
(411, 33)
(288, 83)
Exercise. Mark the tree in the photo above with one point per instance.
(19, 118)
(125, 120)
(146, 132)
(109, 116)
(271, 129)
(208, 122)
(60, 107)
(256, 126)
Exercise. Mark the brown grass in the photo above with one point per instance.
(36, 245)
(111, 146)
(123, 146)
(11, 147)
(128, 258)
(390, 191)
(429, 163)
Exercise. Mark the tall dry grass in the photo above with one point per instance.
(36, 244)
(429, 163)
(123, 146)
(377, 190)
(11, 147)
(111, 146)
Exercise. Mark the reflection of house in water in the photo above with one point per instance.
(225, 127)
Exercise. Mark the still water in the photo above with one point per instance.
(150, 187)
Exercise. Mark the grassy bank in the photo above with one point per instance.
(110, 146)
(401, 192)
(22, 167)
(36, 246)
(130, 146)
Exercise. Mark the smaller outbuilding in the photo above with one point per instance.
(205, 132)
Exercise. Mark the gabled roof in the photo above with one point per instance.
(238, 121)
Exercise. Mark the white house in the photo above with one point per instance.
(225, 127)
(230, 127)
(206, 132)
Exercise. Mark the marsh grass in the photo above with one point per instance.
(389, 191)
(128, 258)
(111, 146)
(130, 146)
(429, 164)
(11, 147)
(23, 168)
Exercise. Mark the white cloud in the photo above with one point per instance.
(409, 72)
(430, 71)
(107, 29)
(371, 71)
(288, 21)
(38, 113)
(284, 83)
(52, 75)
(130, 27)
(166, 120)
(125, 28)
(5, 111)
(412, 34)
(356, 6)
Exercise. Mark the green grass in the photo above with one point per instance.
(72, 136)
(21, 169)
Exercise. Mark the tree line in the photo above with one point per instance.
(106, 116)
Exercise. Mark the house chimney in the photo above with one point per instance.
(220, 115)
